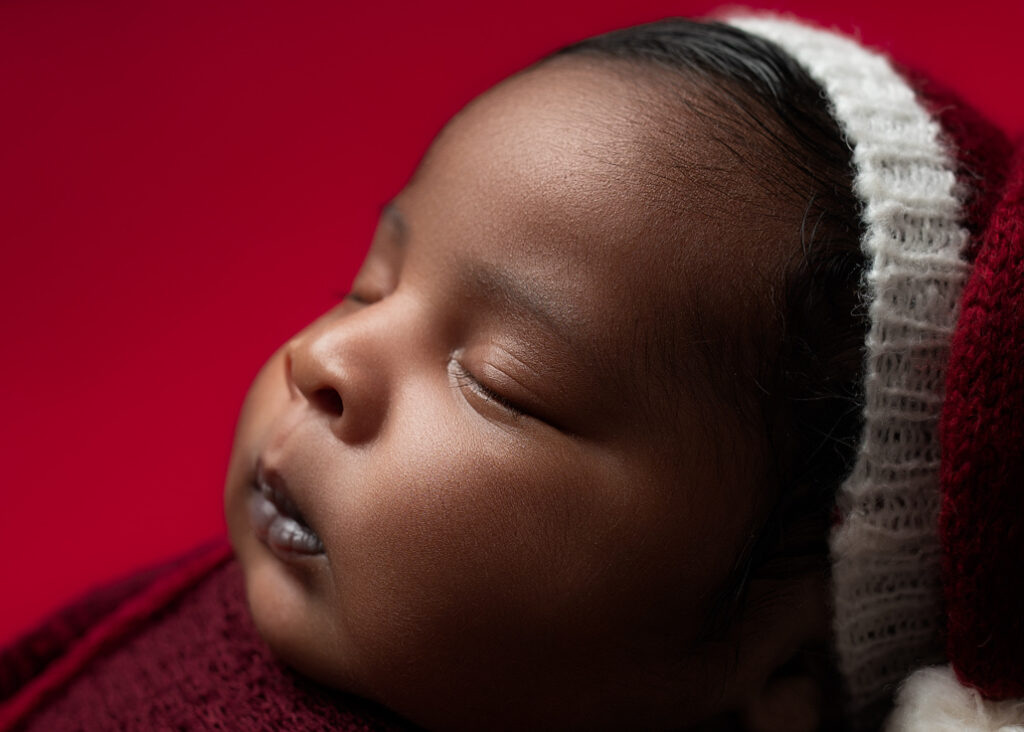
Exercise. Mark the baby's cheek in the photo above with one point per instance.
(445, 570)
(417, 566)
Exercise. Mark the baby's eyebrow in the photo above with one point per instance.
(524, 297)
(390, 212)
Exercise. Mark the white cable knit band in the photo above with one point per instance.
(886, 554)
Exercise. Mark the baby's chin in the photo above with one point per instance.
(297, 625)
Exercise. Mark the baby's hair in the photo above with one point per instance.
(806, 378)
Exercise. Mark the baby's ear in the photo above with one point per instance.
(785, 624)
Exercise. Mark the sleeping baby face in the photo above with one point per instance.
(498, 486)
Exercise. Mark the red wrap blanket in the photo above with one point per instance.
(170, 648)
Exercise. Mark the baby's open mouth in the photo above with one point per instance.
(278, 521)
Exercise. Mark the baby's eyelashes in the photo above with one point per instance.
(463, 379)
(354, 297)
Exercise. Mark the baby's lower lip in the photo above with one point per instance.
(278, 525)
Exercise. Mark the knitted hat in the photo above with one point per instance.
(928, 556)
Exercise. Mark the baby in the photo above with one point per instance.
(568, 454)
(526, 463)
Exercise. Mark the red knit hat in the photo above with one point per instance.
(931, 539)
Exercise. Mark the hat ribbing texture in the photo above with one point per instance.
(886, 550)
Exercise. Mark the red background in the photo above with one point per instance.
(183, 185)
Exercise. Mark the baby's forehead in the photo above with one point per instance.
(618, 160)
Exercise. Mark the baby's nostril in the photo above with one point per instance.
(328, 400)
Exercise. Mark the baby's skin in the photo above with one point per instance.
(515, 487)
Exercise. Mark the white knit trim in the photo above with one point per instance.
(932, 700)
(886, 552)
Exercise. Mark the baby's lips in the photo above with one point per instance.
(276, 519)
(284, 535)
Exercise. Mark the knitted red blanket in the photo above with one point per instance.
(169, 648)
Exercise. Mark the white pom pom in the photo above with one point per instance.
(932, 700)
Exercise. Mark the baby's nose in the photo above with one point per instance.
(337, 369)
(321, 395)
